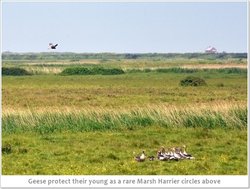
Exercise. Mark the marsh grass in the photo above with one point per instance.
(77, 121)
(90, 125)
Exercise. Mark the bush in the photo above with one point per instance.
(76, 71)
(14, 71)
(192, 81)
(91, 71)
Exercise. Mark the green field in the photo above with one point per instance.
(96, 124)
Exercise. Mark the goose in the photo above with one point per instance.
(176, 155)
(162, 150)
(51, 46)
(141, 158)
(167, 154)
(185, 154)
(161, 157)
(177, 149)
(172, 154)
(164, 153)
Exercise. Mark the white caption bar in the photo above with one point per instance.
(125, 181)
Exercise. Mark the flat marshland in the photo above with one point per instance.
(56, 122)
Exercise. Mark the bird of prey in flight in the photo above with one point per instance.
(51, 46)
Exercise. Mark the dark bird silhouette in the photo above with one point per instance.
(51, 46)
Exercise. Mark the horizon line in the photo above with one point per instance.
(119, 52)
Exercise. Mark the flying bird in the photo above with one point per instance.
(51, 46)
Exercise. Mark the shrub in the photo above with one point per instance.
(91, 71)
(14, 71)
(192, 81)
(76, 71)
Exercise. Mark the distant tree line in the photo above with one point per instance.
(105, 56)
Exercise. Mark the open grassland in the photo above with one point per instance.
(127, 90)
(96, 124)
(217, 152)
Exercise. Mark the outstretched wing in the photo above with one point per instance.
(51, 46)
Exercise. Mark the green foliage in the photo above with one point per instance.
(192, 81)
(14, 71)
(76, 71)
(91, 71)
(105, 71)
(76, 122)
(207, 121)
(239, 116)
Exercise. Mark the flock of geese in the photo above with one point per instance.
(174, 153)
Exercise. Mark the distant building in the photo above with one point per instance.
(211, 50)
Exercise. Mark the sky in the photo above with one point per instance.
(124, 27)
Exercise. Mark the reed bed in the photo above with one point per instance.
(228, 117)
(44, 70)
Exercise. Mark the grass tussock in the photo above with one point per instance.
(50, 122)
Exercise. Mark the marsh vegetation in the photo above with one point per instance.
(57, 122)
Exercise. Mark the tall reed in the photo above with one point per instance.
(82, 121)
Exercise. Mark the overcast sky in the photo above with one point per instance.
(124, 27)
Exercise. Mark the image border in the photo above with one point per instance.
(124, 1)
